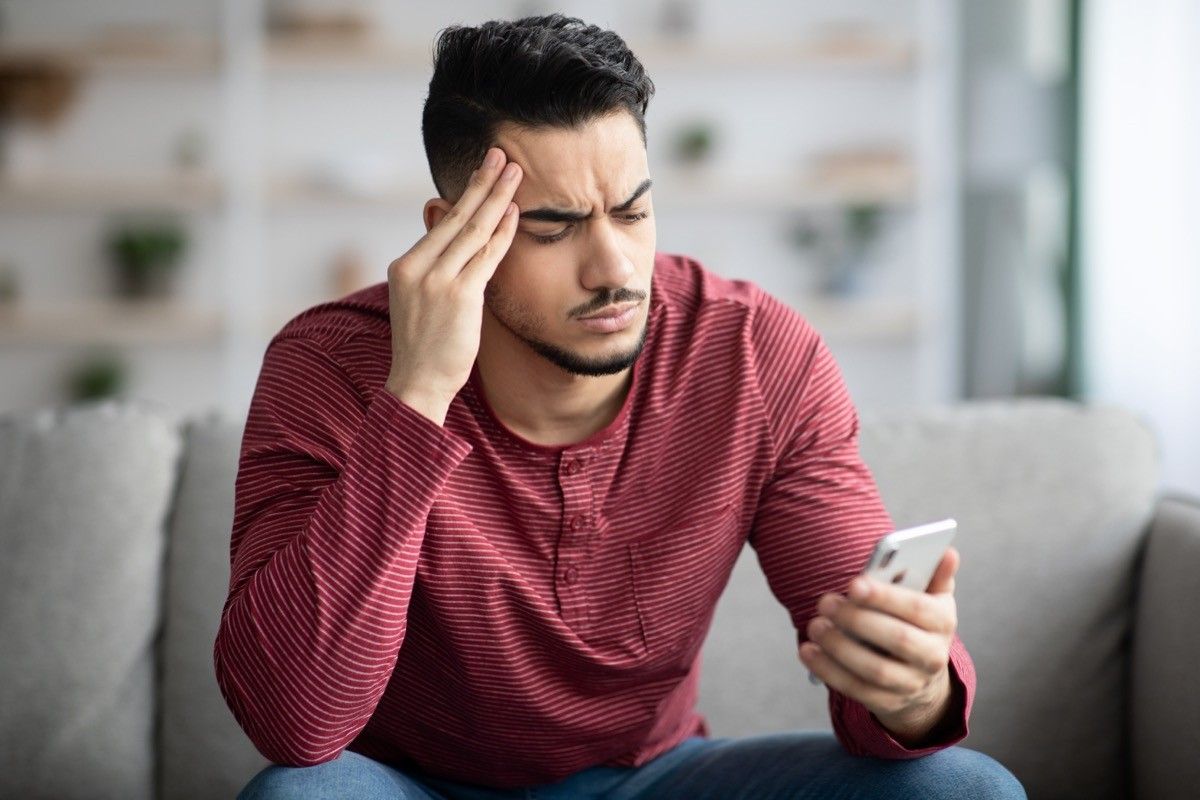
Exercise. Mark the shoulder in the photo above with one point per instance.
(757, 335)
(331, 324)
(778, 336)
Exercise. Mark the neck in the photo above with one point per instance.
(539, 400)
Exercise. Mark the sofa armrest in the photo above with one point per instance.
(1164, 711)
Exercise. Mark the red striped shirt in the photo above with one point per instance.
(488, 610)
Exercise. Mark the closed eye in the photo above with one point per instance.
(556, 237)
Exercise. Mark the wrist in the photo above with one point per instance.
(425, 403)
(922, 724)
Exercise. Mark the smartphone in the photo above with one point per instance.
(907, 558)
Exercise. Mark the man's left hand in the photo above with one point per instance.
(900, 669)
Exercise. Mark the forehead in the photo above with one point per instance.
(601, 161)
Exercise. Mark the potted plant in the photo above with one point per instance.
(35, 93)
(694, 142)
(145, 257)
(98, 376)
(840, 243)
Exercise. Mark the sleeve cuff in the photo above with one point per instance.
(418, 431)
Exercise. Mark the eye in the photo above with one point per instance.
(555, 237)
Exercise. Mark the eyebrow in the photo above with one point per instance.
(559, 215)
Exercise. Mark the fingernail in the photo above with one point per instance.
(510, 172)
(493, 157)
(511, 208)
(859, 589)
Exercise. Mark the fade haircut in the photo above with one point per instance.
(542, 71)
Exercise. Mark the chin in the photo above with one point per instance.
(595, 364)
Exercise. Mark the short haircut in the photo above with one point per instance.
(554, 71)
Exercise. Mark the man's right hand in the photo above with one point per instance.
(435, 290)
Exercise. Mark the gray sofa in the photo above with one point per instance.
(1076, 597)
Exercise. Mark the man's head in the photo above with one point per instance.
(566, 101)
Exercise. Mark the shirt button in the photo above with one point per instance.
(569, 575)
(573, 466)
(578, 523)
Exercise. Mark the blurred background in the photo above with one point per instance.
(968, 199)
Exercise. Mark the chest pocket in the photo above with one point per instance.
(678, 576)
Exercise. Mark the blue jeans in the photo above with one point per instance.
(795, 765)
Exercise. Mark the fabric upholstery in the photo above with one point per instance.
(1164, 703)
(83, 497)
(204, 752)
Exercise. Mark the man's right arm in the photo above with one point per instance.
(331, 499)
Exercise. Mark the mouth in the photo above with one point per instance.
(613, 312)
(612, 319)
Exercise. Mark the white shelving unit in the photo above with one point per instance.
(243, 198)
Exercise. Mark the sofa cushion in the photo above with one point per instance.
(204, 752)
(84, 492)
(1052, 500)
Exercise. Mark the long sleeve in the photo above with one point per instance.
(818, 520)
(333, 490)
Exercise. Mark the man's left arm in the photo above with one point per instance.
(817, 521)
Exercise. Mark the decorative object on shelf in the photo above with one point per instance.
(694, 142)
(349, 271)
(35, 92)
(145, 257)
(839, 240)
(191, 149)
(305, 20)
(10, 285)
(863, 171)
(677, 19)
(100, 374)
(857, 41)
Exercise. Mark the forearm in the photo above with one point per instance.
(318, 608)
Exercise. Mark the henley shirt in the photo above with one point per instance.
(460, 601)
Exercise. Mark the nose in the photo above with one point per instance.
(607, 264)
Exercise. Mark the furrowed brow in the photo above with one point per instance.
(560, 215)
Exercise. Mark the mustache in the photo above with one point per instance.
(608, 298)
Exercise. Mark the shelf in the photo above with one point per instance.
(113, 322)
(283, 53)
(144, 55)
(860, 320)
(176, 192)
(883, 55)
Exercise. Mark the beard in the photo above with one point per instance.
(525, 325)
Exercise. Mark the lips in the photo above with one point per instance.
(612, 311)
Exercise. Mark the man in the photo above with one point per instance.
(484, 511)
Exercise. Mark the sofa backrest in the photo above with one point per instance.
(83, 497)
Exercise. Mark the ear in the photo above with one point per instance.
(435, 209)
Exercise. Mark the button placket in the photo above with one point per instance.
(573, 543)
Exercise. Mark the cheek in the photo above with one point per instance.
(514, 296)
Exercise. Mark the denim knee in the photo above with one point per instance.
(963, 773)
(350, 776)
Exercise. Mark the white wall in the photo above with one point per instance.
(1140, 219)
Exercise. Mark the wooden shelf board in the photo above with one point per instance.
(180, 192)
(112, 322)
(865, 319)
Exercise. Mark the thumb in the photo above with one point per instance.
(943, 578)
